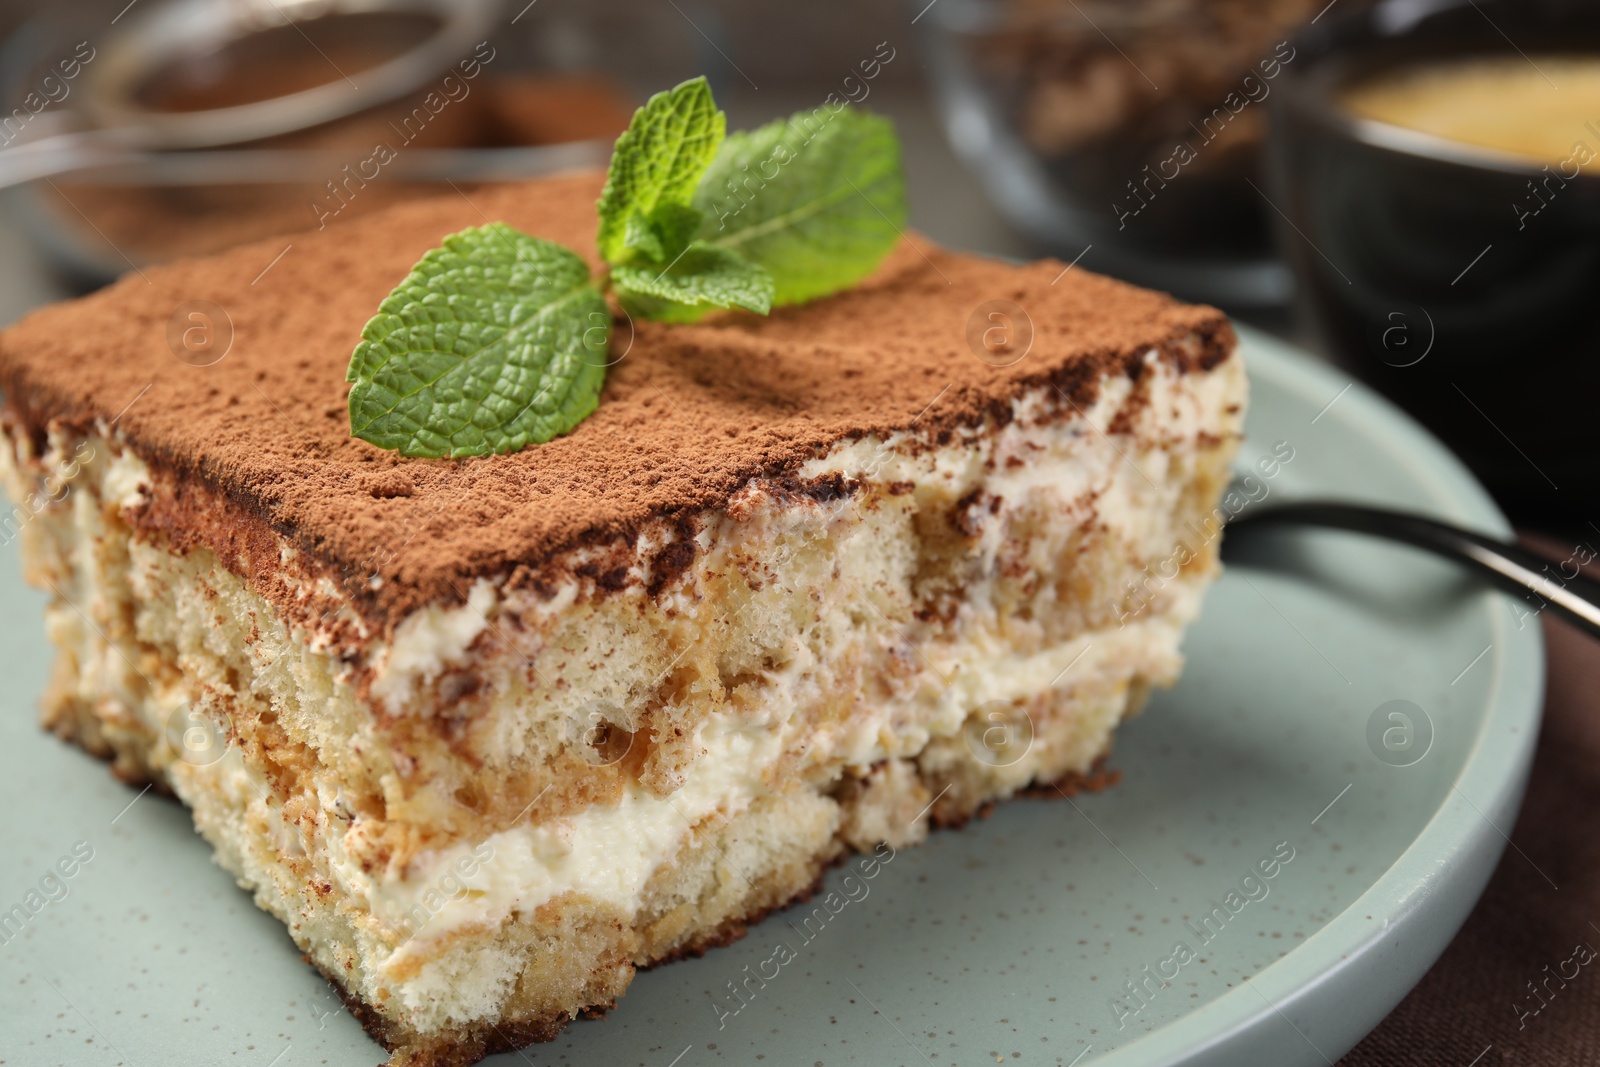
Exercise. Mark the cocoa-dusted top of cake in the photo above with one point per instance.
(689, 413)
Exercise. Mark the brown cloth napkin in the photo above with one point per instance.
(1476, 1007)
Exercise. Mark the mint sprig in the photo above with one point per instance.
(497, 340)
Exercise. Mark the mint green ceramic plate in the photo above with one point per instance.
(1098, 931)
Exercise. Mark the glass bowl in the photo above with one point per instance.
(1132, 126)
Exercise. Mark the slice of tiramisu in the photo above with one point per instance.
(490, 734)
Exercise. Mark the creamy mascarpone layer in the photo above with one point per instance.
(610, 853)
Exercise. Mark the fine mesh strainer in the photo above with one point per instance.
(119, 110)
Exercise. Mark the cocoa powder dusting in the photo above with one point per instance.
(689, 414)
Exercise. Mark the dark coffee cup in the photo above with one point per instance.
(1461, 282)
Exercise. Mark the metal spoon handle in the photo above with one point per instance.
(1576, 598)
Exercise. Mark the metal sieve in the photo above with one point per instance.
(113, 116)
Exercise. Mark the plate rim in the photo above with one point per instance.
(1363, 968)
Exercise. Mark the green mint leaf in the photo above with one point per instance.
(494, 342)
(641, 235)
(677, 224)
(702, 278)
(658, 161)
(664, 234)
(817, 199)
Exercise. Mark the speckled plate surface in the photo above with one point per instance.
(1047, 934)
